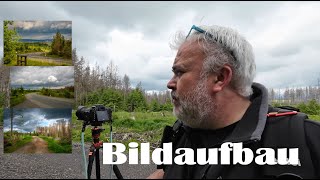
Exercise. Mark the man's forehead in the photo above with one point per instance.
(188, 50)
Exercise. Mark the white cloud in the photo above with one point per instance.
(26, 25)
(136, 56)
(289, 23)
(52, 79)
(285, 35)
(61, 25)
(36, 82)
(19, 81)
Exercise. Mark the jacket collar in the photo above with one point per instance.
(251, 126)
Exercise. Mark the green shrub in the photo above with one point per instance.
(311, 108)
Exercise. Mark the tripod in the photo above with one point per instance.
(94, 154)
(94, 151)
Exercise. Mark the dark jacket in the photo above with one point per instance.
(255, 130)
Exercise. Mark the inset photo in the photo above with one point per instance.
(37, 131)
(42, 87)
(37, 43)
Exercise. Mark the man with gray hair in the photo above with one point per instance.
(216, 101)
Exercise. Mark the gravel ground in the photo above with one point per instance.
(60, 166)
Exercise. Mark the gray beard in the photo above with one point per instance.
(196, 107)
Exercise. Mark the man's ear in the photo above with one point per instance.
(222, 79)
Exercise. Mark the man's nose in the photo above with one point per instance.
(172, 84)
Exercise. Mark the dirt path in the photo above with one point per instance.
(62, 166)
(36, 146)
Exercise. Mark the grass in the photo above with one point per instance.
(12, 63)
(15, 100)
(10, 147)
(44, 62)
(57, 146)
(314, 117)
(18, 97)
(144, 127)
(39, 62)
(142, 121)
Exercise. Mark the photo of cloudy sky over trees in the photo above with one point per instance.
(26, 120)
(37, 130)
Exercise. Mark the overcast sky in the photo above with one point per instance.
(135, 35)
(36, 77)
(27, 119)
(42, 30)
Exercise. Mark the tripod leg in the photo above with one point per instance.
(91, 159)
(97, 164)
(117, 172)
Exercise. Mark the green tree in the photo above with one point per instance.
(43, 90)
(311, 108)
(109, 97)
(136, 101)
(14, 92)
(2, 100)
(67, 52)
(66, 93)
(314, 107)
(61, 46)
(56, 45)
(21, 90)
(155, 106)
(167, 106)
(11, 42)
(112, 98)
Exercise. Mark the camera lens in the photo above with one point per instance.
(82, 113)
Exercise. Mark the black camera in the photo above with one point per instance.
(95, 116)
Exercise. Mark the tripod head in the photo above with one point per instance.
(96, 131)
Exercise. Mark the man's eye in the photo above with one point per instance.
(177, 72)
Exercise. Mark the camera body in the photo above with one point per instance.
(95, 116)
